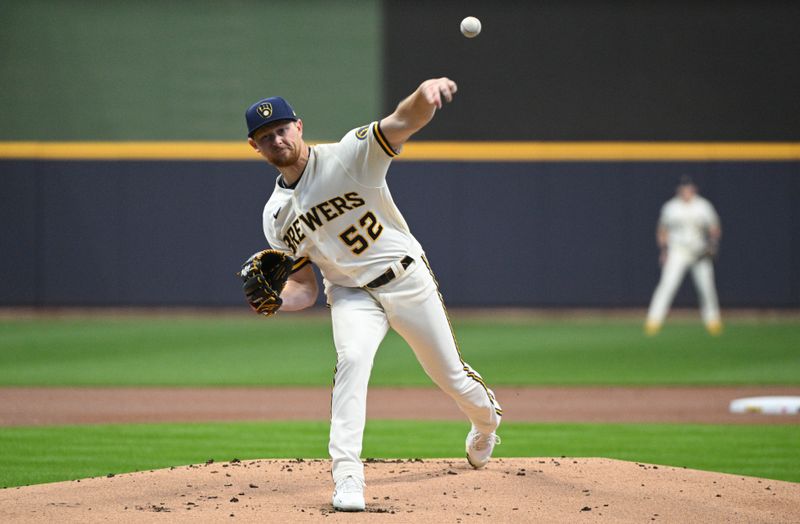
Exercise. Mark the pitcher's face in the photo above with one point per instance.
(279, 143)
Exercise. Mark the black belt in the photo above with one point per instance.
(389, 275)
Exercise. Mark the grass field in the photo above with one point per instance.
(239, 351)
(235, 351)
(47, 454)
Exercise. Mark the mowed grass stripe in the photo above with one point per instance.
(50, 454)
(298, 351)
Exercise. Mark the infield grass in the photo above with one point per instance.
(49, 454)
(298, 351)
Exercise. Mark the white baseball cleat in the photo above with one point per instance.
(349, 494)
(480, 447)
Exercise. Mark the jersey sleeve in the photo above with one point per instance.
(300, 263)
(272, 234)
(366, 155)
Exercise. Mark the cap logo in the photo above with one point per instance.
(265, 110)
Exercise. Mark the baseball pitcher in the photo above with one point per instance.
(331, 207)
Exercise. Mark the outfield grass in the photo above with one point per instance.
(49, 454)
(286, 350)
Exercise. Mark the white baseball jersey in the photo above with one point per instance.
(340, 215)
(687, 223)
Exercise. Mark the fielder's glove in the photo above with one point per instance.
(264, 275)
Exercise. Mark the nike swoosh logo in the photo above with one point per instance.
(275, 216)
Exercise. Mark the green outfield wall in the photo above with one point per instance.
(116, 70)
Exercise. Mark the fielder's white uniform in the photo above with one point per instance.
(341, 216)
(687, 224)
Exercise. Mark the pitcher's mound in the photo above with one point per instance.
(443, 490)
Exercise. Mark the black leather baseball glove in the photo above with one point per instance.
(264, 275)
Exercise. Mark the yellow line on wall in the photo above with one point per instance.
(420, 151)
(594, 151)
(128, 150)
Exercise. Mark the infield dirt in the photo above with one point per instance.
(704, 405)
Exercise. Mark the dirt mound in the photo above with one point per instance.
(445, 490)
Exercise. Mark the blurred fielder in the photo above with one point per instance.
(688, 235)
(331, 206)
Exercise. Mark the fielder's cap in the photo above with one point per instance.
(686, 180)
(266, 111)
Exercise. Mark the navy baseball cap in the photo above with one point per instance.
(266, 111)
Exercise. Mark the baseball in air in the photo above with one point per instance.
(470, 27)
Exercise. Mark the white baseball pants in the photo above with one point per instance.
(412, 306)
(678, 261)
